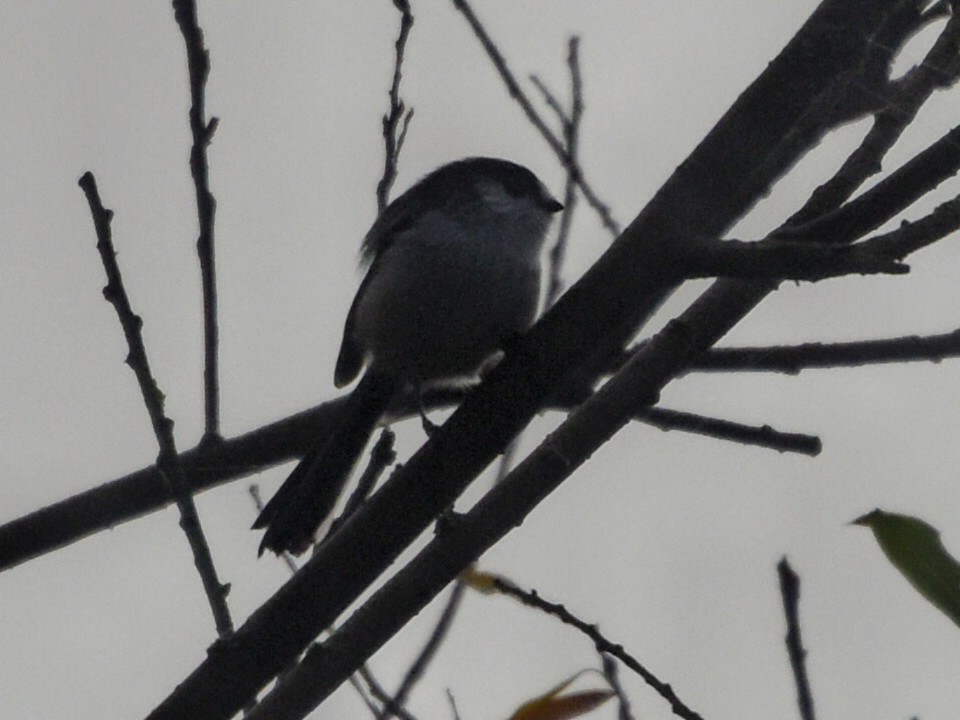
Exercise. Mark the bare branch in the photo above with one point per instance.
(551, 101)
(613, 680)
(367, 694)
(793, 359)
(198, 63)
(571, 137)
(913, 236)
(426, 654)
(379, 692)
(513, 87)
(531, 598)
(763, 436)
(167, 462)
(887, 199)
(790, 591)
(144, 491)
(787, 260)
(396, 121)
(902, 102)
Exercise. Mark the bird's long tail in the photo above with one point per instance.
(308, 495)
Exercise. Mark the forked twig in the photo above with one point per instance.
(513, 87)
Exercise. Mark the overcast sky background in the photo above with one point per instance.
(668, 541)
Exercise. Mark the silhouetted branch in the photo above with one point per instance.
(613, 680)
(395, 122)
(531, 598)
(918, 234)
(513, 87)
(198, 63)
(792, 359)
(207, 466)
(379, 692)
(570, 122)
(763, 436)
(168, 461)
(426, 654)
(788, 260)
(901, 101)
(790, 591)
(887, 199)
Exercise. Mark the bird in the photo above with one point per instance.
(453, 273)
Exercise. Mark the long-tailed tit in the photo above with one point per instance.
(454, 272)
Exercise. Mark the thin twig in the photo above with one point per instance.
(938, 69)
(453, 705)
(551, 100)
(168, 461)
(140, 492)
(913, 236)
(571, 131)
(613, 680)
(926, 170)
(429, 651)
(777, 259)
(790, 591)
(571, 137)
(380, 692)
(794, 358)
(395, 122)
(364, 693)
(532, 599)
(513, 87)
(198, 63)
(763, 436)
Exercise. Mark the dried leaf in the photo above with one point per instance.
(562, 707)
(482, 582)
(554, 706)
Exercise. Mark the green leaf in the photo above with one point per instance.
(915, 549)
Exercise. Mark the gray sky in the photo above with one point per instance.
(668, 541)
